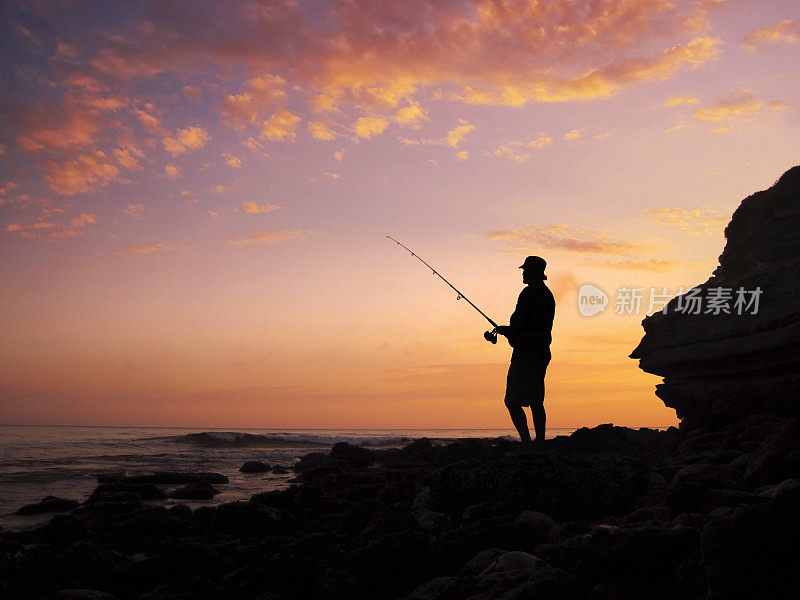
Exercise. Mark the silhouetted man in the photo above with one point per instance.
(528, 333)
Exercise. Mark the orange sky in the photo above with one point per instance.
(194, 199)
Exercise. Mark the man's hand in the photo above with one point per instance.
(503, 330)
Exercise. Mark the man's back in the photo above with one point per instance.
(532, 322)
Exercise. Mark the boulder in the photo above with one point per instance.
(46, 505)
(357, 456)
(720, 368)
(199, 490)
(254, 466)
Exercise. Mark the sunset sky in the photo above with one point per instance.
(194, 199)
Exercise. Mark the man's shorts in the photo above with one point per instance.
(525, 382)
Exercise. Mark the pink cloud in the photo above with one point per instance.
(79, 175)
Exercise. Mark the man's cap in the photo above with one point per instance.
(536, 264)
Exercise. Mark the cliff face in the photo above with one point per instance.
(719, 368)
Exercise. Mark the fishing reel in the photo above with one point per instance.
(490, 336)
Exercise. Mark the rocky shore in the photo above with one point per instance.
(606, 513)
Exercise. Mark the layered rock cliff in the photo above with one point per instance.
(719, 368)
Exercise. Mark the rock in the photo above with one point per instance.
(198, 588)
(534, 528)
(518, 574)
(145, 491)
(78, 594)
(778, 458)
(199, 490)
(689, 486)
(179, 562)
(357, 456)
(245, 518)
(753, 551)
(481, 561)
(164, 478)
(254, 466)
(720, 368)
(46, 505)
(784, 487)
(279, 470)
(576, 486)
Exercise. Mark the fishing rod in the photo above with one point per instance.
(490, 336)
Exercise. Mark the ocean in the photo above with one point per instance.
(38, 460)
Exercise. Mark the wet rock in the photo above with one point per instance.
(164, 478)
(254, 466)
(357, 456)
(46, 505)
(280, 470)
(145, 491)
(79, 594)
(199, 490)
(720, 368)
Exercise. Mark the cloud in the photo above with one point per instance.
(694, 221)
(456, 135)
(741, 106)
(573, 134)
(265, 237)
(172, 171)
(567, 239)
(134, 211)
(9, 187)
(509, 152)
(187, 139)
(367, 127)
(541, 141)
(253, 208)
(339, 155)
(259, 96)
(82, 174)
(145, 249)
(150, 123)
(320, 131)
(192, 92)
(410, 114)
(656, 265)
(83, 219)
(129, 157)
(462, 155)
(233, 161)
(680, 101)
(786, 31)
(280, 126)
(512, 149)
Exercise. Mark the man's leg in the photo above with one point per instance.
(520, 422)
(537, 409)
(512, 400)
(539, 419)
